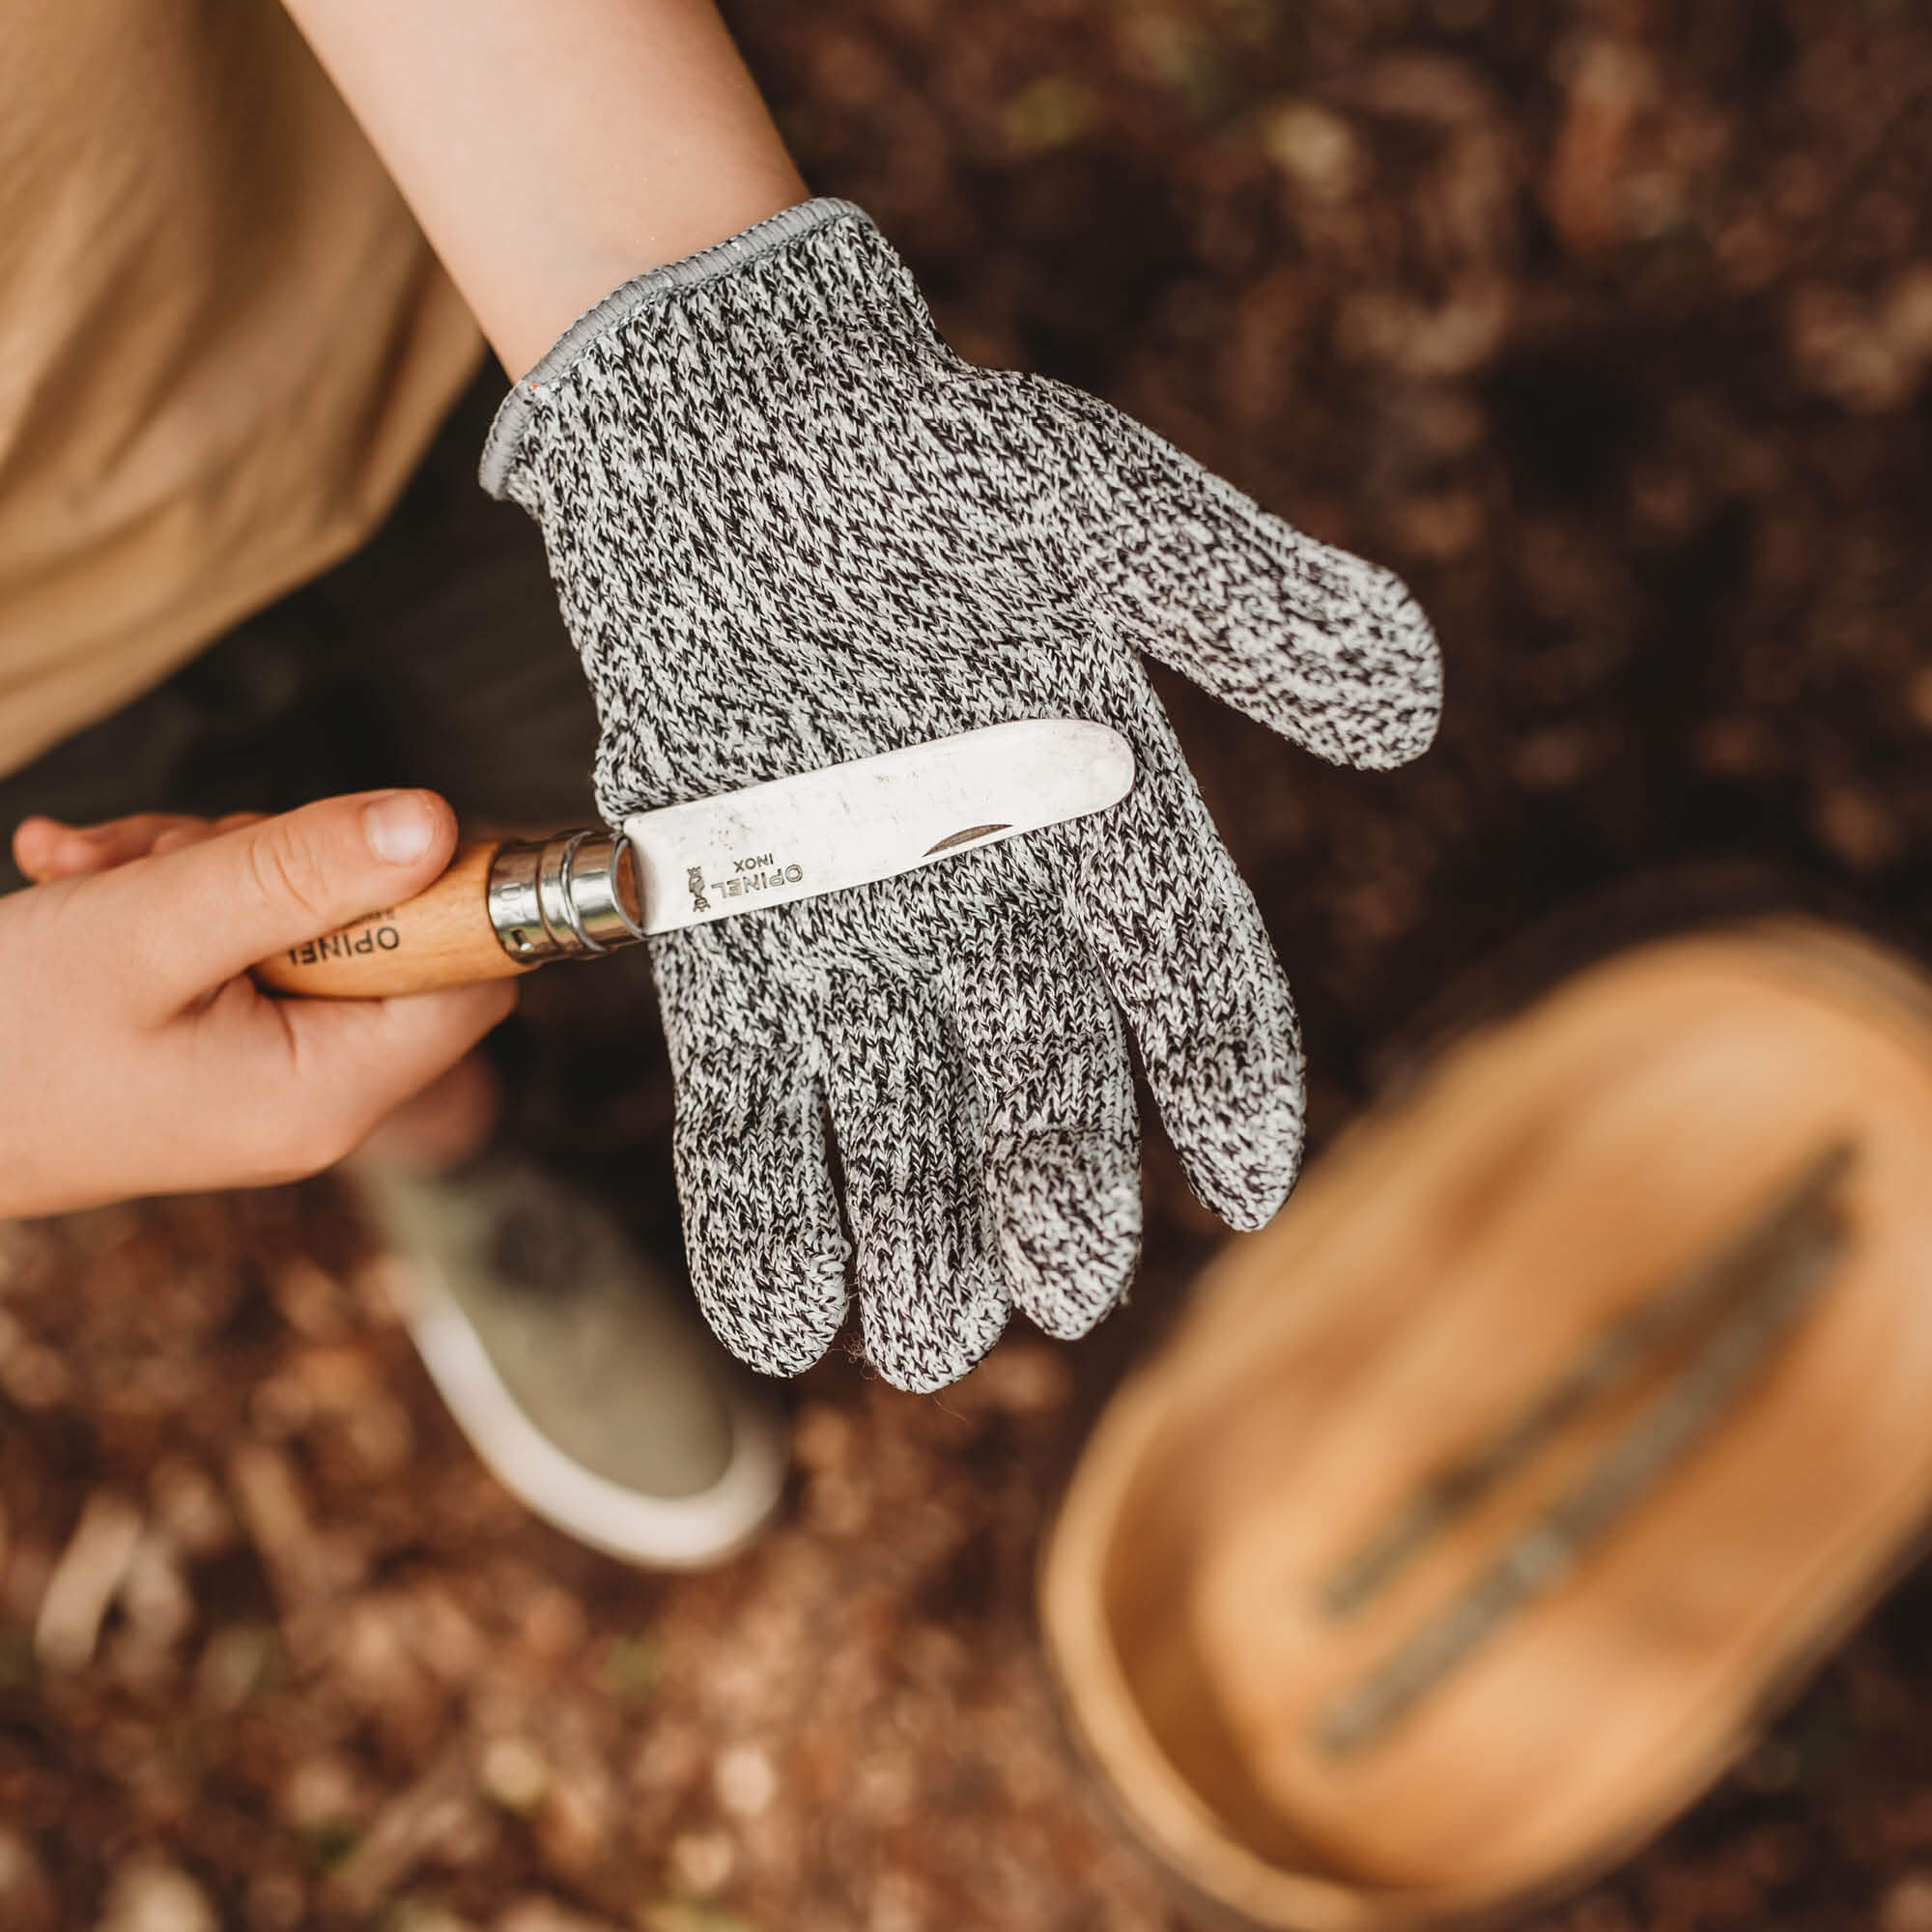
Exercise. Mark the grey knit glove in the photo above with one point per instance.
(789, 528)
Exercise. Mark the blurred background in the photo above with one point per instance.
(1609, 327)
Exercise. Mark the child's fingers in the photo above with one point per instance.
(46, 848)
(33, 840)
(359, 1060)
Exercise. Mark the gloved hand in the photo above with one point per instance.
(789, 528)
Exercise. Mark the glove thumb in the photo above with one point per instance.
(1326, 649)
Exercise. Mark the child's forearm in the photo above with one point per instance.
(553, 149)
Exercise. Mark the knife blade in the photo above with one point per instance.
(853, 824)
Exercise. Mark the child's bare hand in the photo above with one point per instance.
(137, 1056)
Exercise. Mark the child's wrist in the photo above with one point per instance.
(597, 249)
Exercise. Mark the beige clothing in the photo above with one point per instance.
(223, 341)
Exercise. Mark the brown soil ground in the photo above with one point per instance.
(1608, 324)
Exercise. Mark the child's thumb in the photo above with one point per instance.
(235, 899)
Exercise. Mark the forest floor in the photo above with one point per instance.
(1609, 325)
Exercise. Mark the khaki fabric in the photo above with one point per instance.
(223, 341)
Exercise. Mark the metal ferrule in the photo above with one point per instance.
(562, 897)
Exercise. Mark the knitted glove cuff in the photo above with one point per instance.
(778, 232)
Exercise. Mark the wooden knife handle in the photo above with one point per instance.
(499, 909)
(443, 937)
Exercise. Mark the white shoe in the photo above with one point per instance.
(580, 1374)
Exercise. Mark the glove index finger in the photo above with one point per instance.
(1182, 946)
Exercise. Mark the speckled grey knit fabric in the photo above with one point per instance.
(789, 528)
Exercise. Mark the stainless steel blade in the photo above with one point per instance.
(874, 818)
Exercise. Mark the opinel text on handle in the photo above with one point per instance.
(443, 937)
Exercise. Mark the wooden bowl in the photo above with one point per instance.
(1444, 1262)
